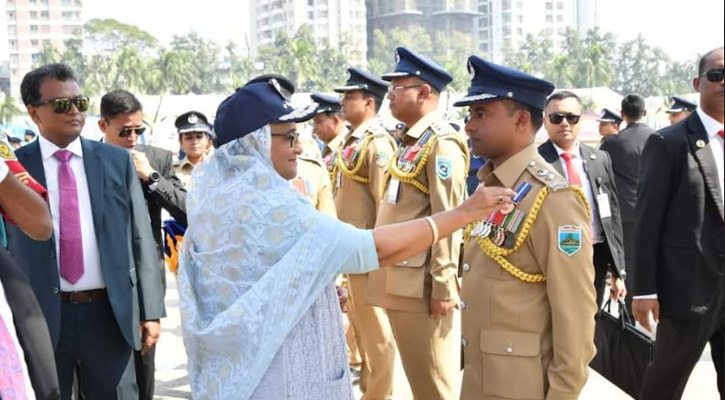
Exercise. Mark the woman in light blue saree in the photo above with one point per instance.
(260, 315)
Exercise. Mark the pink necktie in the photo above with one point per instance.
(71, 238)
(12, 381)
(571, 170)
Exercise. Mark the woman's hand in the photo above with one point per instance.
(486, 200)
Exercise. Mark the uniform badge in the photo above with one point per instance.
(570, 239)
(193, 119)
(6, 152)
(444, 167)
(382, 160)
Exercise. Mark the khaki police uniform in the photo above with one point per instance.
(184, 168)
(360, 167)
(528, 311)
(314, 182)
(329, 154)
(422, 184)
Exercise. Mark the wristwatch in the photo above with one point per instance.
(154, 177)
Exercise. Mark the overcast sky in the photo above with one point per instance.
(682, 28)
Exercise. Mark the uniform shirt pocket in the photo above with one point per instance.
(512, 365)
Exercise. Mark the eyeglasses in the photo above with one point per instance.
(293, 136)
(715, 75)
(557, 118)
(62, 105)
(127, 131)
(392, 89)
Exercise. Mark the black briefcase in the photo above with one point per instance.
(623, 351)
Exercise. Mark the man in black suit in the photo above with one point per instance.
(625, 150)
(19, 308)
(122, 124)
(97, 278)
(590, 169)
(680, 244)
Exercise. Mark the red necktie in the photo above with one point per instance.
(571, 170)
(722, 134)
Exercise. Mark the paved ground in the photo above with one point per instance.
(172, 382)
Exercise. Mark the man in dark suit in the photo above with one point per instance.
(122, 124)
(680, 244)
(591, 170)
(97, 278)
(625, 150)
(19, 308)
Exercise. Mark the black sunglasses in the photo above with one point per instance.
(557, 118)
(715, 75)
(62, 105)
(127, 131)
(291, 136)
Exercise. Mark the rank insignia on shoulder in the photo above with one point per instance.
(444, 167)
(569, 239)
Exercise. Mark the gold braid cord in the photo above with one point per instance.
(409, 177)
(498, 254)
(352, 173)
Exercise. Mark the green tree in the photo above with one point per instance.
(110, 35)
(239, 68)
(639, 68)
(9, 109)
(204, 56)
(129, 71)
(47, 55)
(331, 67)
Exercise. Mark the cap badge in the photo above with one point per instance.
(193, 119)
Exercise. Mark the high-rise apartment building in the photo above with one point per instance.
(333, 20)
(34, 24)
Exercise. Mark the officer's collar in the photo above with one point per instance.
(335, 143)
(422, 125)
(360, 131)
(510, 171)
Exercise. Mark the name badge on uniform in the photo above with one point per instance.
(391, 197)
(605, 211)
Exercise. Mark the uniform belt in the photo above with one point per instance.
(83, 296)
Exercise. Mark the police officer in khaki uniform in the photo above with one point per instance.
(527, 302)
(426, 175)
(195, 138)
(329, 125)
(313, 181)
(360, 167)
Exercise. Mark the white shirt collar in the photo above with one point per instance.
(574, 151)
(48, 148)
(712, 126)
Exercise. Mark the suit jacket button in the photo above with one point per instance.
(464, 342)
(466, 267)
(462, 305)
(56, 290)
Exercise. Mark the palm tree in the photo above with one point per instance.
(172, 72)
(8, 110)
(47, 55)
(129, 69)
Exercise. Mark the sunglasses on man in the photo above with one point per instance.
(127, 131)
(557, 118)
(62, 105)
(715, 75)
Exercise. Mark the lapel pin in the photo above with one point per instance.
(700, 143)
(593, 156)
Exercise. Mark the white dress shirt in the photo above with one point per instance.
(712, 127)
(7, 316)
(597, 228)
(92, 277)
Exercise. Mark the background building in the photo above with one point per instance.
(333, 20)
(507, 22)
(436, 16)
(33, 24)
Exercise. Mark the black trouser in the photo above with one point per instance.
(91, 341)
(679, 344)
(628, 233)
(145, 373)
(602, 258)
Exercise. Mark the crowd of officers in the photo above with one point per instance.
(525, 285)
